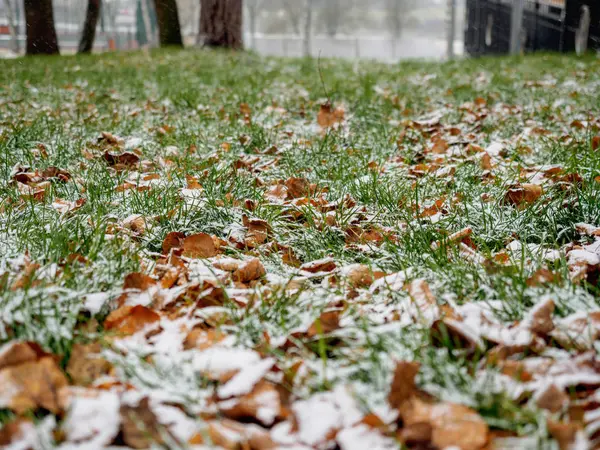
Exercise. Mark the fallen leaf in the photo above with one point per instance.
(122, 160)
(140, 426)
(15, 353)
(564, 433)
(203, 339)
(328, 116)
(86, 365)
(403, 386)
(551, 398)
(32, 385)
(265, 404)
(172, 240)
(297, 187)
(65, 206)
(522, 195)
(452, 425)
(320, 265)
(199, 245)
(130, 319)
(326, 323)
(250, 270)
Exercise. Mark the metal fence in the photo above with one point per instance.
(551, 25)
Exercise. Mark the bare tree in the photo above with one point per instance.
(295, 11)
(12, 26)
(221, 23)
(308, 27)
(333, 14)
(88, 34)
(398, 14)
(39, 23)
(253, 8)
(169, 30)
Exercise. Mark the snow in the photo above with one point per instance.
(245, 380)
(93, 418)
(362, 438)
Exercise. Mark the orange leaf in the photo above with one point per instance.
(328, 116)
(249, 271)
(130, 319)
(199, 245)
(172, 240)
(403, 385)
(32, 385)
(522, 195)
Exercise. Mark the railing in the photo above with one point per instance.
(552, 25)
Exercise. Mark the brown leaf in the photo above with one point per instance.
(328, 117)
(250, 270)
(326, 323)
(172, 240)
(452, 425)
(440, 146)
(539, 319)
(16, 353)
(138, 281)
(564, 433)
(265, 404)
(86, 365)
(403, 384)
(521, 195)
(203, 339)
(458, 426)
(13, 431)
(125, 159)
(199, 245)
(136, 223)
(110, 138)
(130, 319)
(258, 232)
(320, 265)
(32, 385)
(140, 427)
(551, 398)
(297, 187)
(65, 206)
(192, 182)
(359, 275)
(542, 277)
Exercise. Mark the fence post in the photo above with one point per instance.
(583, 31)
(451, 28)
(516, 27)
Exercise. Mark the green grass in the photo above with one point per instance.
(65, 103)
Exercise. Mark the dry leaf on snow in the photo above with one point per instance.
(199, 245)
(32, 385)
(522, 195)
(130, 319)
(328, 116)
(86, 365)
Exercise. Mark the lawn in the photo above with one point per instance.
(205, 249)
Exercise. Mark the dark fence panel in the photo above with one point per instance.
(488, 27)
(545, 26)
(572, 20)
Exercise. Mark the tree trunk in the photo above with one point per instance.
(308, 28)
(88, 34)
(169, 30)
(221, 23)
(39, 22)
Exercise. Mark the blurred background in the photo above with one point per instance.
(387, 30)
(380, 29)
